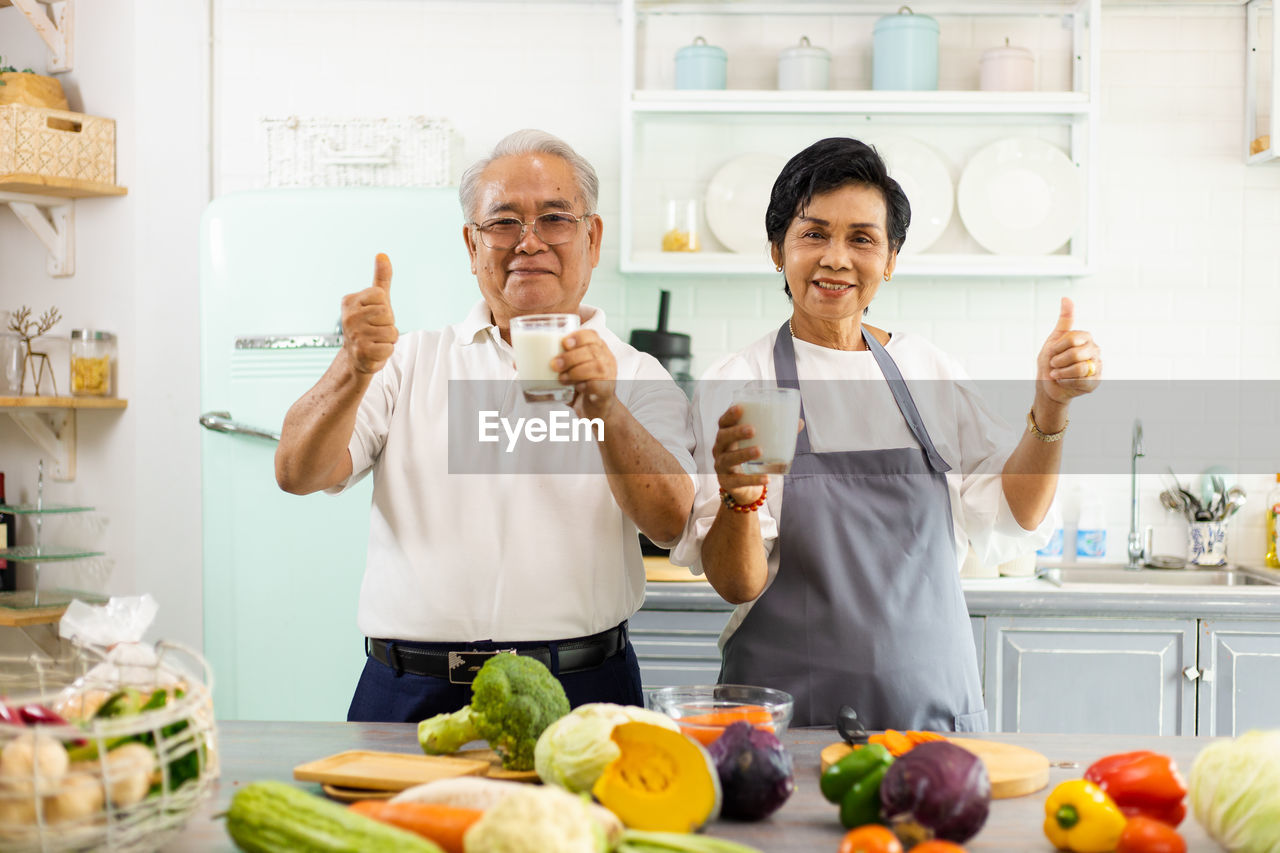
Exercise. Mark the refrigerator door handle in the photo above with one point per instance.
(221, 422)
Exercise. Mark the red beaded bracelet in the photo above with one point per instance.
(751, 507)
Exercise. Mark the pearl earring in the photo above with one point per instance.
(779, 267)
(888, 276)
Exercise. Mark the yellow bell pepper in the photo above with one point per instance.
(1080, 817)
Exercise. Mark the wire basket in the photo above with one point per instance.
(91, 785)
(360, 152)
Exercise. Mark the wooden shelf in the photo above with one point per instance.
(52, 187)
(62, 403)
(50, 422)
(33, 616)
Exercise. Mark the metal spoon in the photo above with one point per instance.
(1236, 498)
(850, 727)
(1173, 501)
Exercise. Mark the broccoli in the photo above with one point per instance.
(513, 698)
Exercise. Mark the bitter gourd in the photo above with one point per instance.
(268, 817)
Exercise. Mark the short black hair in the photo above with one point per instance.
(827, 165)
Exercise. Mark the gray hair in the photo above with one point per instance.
(529, 141)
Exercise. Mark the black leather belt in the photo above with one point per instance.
(459, 662)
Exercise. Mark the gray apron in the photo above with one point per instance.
(866, 608)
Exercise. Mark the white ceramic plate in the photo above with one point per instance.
(1021, 196)
(737, 198)
(925, 179)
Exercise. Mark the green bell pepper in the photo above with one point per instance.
(853, 782)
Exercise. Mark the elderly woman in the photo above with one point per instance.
(846, 574)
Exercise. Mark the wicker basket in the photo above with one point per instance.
(57, 144)
(181, 735)
(360, 152)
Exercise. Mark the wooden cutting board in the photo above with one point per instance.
(385, 771)
(353, 795)
(1015, 771)
(496, 770)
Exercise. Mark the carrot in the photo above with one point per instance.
(705, 728)
(899, 743)
(445, 825)
(924, 737)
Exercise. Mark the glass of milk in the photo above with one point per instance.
(774, 413)
(535, 339)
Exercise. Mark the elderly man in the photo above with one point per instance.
(459, 564)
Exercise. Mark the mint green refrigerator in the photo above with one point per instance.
(281, 573)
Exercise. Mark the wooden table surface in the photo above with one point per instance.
(805, 824)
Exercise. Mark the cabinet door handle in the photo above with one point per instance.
(1191, 673)
(221, 422)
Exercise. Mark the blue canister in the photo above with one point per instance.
(905, 52)
(701, 66)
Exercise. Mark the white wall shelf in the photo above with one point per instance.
(745, 101)
(1257, 11)
(54, 22)
(909, 266)
(678, 137)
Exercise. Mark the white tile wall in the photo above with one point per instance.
(1188, 261)
(1188, 271)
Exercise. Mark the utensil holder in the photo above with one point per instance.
(1207, 543)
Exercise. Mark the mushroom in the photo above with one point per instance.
(128, 774)
(34, 758)
(79, 796)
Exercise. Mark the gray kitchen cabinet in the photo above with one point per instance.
(1090, 675)
(1238, 677)
(678, 647)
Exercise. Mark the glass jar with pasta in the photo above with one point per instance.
(93, 363)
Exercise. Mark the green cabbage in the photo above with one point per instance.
(574, 750)
(1235, 792)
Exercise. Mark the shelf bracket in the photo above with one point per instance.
(56, 27)
(53, 222)
(54, 432)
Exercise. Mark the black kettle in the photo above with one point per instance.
(672, 349)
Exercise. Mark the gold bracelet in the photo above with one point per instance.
(1044, 436)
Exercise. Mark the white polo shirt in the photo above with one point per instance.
(490, 556)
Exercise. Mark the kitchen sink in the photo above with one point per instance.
(1118, 574)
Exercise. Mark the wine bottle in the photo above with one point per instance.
(8, 539)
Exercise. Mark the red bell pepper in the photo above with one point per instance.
(1142, 783)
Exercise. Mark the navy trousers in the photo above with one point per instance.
(385, 696)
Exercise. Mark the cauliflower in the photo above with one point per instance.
(537, 820)
(575, 749)
(513, 698)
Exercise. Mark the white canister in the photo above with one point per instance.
(804, 66)
(1007, 69)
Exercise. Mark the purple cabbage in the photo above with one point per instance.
(757, 774)
(937, 790)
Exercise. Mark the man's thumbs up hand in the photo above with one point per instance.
(368, 324)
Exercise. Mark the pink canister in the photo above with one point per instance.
(1007, 69)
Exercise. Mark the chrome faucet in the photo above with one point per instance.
(1137, 550)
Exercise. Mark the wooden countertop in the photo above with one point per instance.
(805, 824)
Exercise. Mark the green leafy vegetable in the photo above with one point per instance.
(1234, 789)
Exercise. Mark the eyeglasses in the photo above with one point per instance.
(505, 232)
